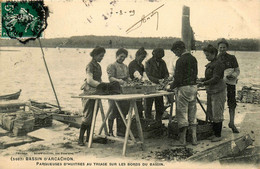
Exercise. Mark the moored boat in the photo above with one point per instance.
(12, 96)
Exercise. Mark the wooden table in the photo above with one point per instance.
(130, 97)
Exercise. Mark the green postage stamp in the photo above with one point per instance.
(23, 20)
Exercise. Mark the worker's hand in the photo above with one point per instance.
(168, 88)
(230, 77)
(200, 84)
(170, 83)
(161, 80)
(121, 81)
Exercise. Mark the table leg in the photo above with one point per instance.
(123, 118)
(138, 122)
(93, 122)
(171, 108)
(128, 127)
(104, 121)
(103, 118)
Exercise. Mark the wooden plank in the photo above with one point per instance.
(5, 104)
(227, 148)
(248, 156)
(47, 134)
(11, 110)
(7, 141)
(125, 96)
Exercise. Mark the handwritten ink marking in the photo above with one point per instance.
(144, 19)
(87, 2)
(133, 12)
(105, 17)
(113, 2)
(111, 11)
(121, 12)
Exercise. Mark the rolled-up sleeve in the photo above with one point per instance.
(111, 71)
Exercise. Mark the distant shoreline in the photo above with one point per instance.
(105, 48)
(128, 42)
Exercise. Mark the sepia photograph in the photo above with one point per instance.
(129, 84)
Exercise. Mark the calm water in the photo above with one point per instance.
(23, 68)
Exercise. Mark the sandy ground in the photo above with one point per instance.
(61, 141)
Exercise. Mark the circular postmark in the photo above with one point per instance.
(23, 20)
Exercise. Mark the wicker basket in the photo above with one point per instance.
(138, 89)
(204, 130)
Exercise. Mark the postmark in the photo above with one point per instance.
(23, 20)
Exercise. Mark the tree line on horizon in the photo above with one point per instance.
(129, 42)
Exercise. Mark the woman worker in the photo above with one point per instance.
(118, 72)
(93, 79)
(136, 71)
(216, 91)
(156, 71)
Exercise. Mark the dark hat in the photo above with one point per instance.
(141, 51)
(158, 51)
(178, 44)
(211, 49)
(120, 51)
(223, 40)
(97, 50)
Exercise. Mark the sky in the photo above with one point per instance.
(209, 19)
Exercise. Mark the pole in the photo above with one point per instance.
(49, 74)
(202, 108)
(186, 35)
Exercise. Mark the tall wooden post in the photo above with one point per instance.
(186, 30)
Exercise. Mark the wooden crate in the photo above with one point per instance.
(150, 128)
(138, 89)
(22, 127)
(204, 130)
(8, 121)
(20, 123)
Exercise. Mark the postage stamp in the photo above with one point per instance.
(23, 20)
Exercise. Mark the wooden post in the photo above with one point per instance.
(123, 118)
(104, 120)
(186, 30)
(93, 123)
(103, 117)
(128, 127)
(138, 122)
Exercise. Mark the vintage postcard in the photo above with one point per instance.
(129, 84)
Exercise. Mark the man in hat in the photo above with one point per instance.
(156, 71)
(186, 71)
(231, 73)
